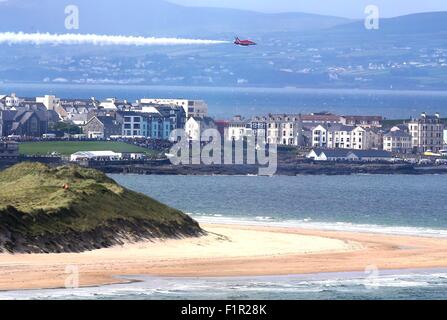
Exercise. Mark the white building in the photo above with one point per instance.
(195, 126)
(445, 139)
(328, 155)
(363, 121)
(345, 137)
(238, 129)
(95, 155)
(319, 136)
(193, 108)
(349, 155)
(427, 133)
(284, 130)
(50, 102)
(397, 141)
(11, 101)
(109, 104)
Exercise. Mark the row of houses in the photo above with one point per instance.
(306, 130)
(157, 118)
(148, 118)
(328, 131)
(25, 118)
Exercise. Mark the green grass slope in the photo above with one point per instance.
(37, 214)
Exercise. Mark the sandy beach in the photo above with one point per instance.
(228, 250)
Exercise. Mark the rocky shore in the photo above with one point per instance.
(303, 168)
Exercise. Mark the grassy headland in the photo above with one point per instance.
(73, 209)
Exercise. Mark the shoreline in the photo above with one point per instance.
(229, 251)
(288, 165)
(294, 169)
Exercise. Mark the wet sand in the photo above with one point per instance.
(228, 250)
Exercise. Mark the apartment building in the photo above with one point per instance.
(362, 121)
(284, 129)
(315, 119)
(345, 137)
(10, 101)
(319, 136)
(134, 124)
(49, 101)
(397, 141)
(238, 129)
(195, 127)
(193, 108)
(427, 133)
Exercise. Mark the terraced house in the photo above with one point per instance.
(154, 122)
(427, 133)
(337, 136)
(238, 129)
(284, 129)
(362, 121)
(397, 141)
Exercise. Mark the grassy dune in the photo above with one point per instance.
(37, 214)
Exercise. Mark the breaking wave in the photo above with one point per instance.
(308, 223)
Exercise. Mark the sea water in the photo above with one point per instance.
(393, 204)
(224, 102)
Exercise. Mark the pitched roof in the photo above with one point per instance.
(8, 115)
(343, 153)
(333, 153)
(320, 118)
(340, 127)
(371, 153)
(397, 134)
(108, 121)
(364, 118)
(206, 121)
(238, 122)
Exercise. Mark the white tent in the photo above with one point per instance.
(95, 155)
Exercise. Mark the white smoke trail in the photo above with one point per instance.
(94, 39)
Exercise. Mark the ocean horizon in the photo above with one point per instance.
(225, 102)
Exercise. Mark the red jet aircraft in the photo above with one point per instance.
(244, 43)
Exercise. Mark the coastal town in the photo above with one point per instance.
(147, 123)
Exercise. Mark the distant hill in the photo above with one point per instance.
(420, 23)
(74, 209)
(154, 17)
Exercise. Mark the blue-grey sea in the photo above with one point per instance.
(224, 102)
(394, 204)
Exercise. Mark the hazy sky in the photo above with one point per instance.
(345, 8)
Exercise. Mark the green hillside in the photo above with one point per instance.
(73, 209)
